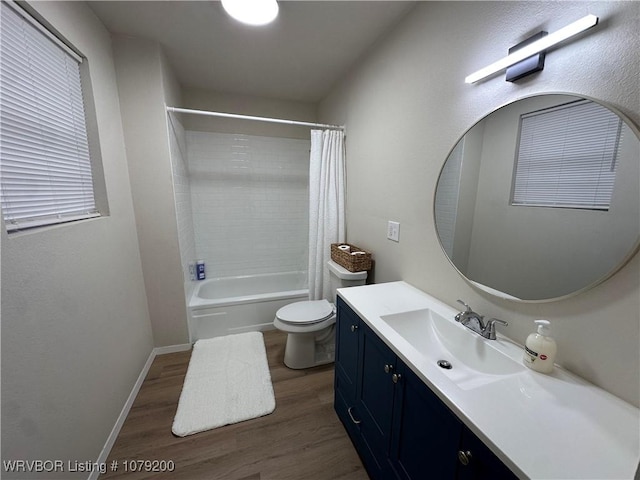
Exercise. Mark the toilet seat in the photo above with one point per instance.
(308, 317)
(306, 313)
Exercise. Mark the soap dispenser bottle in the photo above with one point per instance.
(540, 349)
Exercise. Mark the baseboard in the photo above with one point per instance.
(115, 431)
(172, 349)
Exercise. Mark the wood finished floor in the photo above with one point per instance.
(302, 439)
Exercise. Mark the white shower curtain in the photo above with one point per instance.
(326, 206)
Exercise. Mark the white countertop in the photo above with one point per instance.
(555, 426)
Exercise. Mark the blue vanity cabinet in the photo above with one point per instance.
(347, 350)
(346, 366)
(375, 397)
(428, 441)
(399, 427)
(350, 344)
(482, 464)
(425, 435)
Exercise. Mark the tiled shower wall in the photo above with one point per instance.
(182, 195)
(249, 202)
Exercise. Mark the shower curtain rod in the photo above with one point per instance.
(250, 117)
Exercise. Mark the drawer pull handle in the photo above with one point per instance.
(388, 368)
(464, 457)
(396, 377)
(354, 328)
(351, 415)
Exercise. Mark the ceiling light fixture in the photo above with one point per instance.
(252, 12)
(534, 48)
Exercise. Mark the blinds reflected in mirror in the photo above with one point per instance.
(446, 202)
(567, 157)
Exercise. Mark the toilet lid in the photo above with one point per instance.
(306, 312)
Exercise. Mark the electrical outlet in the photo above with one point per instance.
(393, 231)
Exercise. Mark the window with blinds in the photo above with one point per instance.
(45, 168)
(567, 157)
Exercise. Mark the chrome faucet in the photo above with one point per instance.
(490, 328)
(470, 319)
(475, 322)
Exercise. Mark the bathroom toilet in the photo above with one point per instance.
(310, 325)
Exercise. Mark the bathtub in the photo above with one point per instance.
(222, 306)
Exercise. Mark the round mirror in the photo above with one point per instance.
(541, 198)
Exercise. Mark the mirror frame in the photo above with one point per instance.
(494, 293)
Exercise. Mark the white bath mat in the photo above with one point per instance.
(227, 381)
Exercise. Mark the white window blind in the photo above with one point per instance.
(567, 157)
(45, 169)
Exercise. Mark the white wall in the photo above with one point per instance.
(406, 105)
(75, 326)
(145, 84)
(211, 100)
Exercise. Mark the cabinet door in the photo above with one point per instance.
(375, 399)
(347, 342)
(426, 434)
(346, 369)
(477, 462)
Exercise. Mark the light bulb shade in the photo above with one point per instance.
(252, 12)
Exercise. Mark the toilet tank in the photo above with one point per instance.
(340, 277)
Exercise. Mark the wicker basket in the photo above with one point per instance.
(353, 263)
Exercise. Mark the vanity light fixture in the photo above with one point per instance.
(252, 12)
(534, 48)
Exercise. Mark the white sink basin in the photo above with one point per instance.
(474, 360)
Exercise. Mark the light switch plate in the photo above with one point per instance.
(393, 231)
